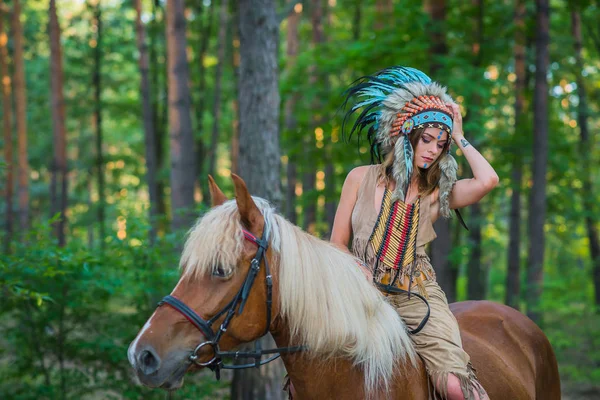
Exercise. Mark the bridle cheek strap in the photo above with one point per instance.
(230, 309)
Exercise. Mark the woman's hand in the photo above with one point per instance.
(470, 191)
(457, 122)
(365, 270)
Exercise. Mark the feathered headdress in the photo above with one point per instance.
(394, 102)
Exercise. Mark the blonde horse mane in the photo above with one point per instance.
(330, 307)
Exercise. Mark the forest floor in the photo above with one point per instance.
(571, 391)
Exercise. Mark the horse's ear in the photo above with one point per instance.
(251, 215)
(216, 194)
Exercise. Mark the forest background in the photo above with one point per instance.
(115, 111)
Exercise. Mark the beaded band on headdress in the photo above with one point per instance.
(423, 112)
(399, 100)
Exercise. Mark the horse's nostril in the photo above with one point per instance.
(149, 362)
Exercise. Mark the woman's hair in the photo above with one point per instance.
(428, 177)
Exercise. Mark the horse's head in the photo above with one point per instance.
(216, 264)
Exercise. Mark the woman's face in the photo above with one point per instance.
(430, 146)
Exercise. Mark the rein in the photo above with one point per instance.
(396, 290)
(236, 304)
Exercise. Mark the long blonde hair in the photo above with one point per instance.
(329, 305)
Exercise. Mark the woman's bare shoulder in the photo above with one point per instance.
(357, 174)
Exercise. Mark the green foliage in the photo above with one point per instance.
(68, 315)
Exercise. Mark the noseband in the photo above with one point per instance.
(237, 303)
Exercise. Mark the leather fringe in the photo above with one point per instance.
(468, 384)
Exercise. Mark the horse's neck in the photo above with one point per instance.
(338, 378)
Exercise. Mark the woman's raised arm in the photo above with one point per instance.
(470, 191)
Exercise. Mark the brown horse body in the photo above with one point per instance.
(511, 355)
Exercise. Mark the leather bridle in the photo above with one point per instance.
(237, 303)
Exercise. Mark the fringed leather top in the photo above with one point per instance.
(386, 248)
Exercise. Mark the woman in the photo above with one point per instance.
(389, 208)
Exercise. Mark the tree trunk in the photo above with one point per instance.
(259, 99)
(440, 251)
(206, 32)
(383, 10)
(437, 12)
(310, 164)
(291, 122)
(98, 122)
(21, 118)
(331, 198)
(148, 118)
(259, 157)
(440, 248)
(587, 192)
(158, 110)
(221, 41)
(58, 188)
(201, 150)
(356, 20)
(537, 205)
(513, 275)
(477, 275)
(90, 204)
(309, 185)
(476, 272)
(8, 137)
(235, 139)
(235, 64)
(330, 192)
(181, 139)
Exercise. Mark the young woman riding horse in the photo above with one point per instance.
(389, 208)
(247, 270)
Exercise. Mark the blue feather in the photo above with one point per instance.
(408, 158)
(401, 75)
(373, 91)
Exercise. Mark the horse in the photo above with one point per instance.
(338, 336)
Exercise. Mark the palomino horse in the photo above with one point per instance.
(356, 346)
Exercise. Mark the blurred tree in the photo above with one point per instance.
(357, 19)
(330, 192)
(183, 170)
(290, 119)
(314, 137)
(440, 248)
(205, 16)
(221, 45)
(97, 119)
(146, 94)
(21, 118)
(234, 46)
(8, 134)
(513, 274)
(58, 187)
(383, 8)
(587, 193)
(476, 271)
(259, 100)
(259, 152)
(160, 107)
(537, 204)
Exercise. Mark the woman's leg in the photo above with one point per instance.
(455, 391)
(440, 346)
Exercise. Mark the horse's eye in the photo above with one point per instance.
(221, 272)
